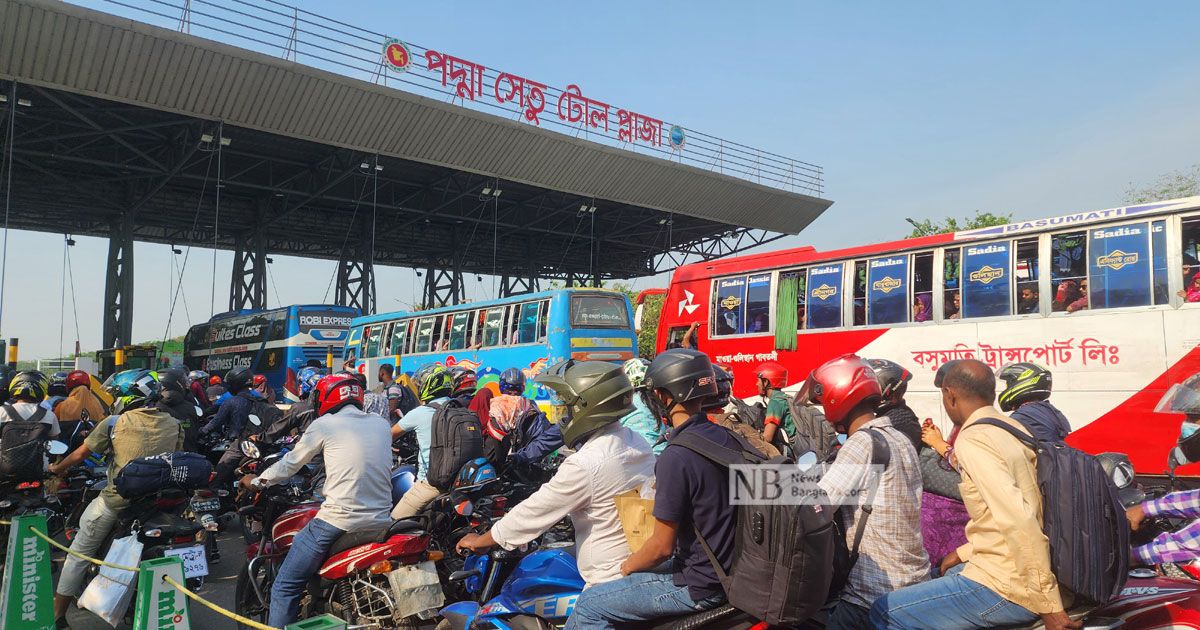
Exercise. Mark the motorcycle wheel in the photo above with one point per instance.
(246, 602)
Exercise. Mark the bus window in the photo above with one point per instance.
(758, 303)
(951, 287)
(424, 335)
(727, 312)
(1026, 272)
(598, 311)
(441, 333)
(922, 287)
(527, 324)
(373, 335)
(399, 336)
(492, 322)
(987, 284)
(887, 297)
(511, 314)
(1119, 266)
(824, 294)
(1191, 259)
(543, 320)
(1068, 271)
(860, 293)
(790, 295)
(1158, 244)
(458, 330)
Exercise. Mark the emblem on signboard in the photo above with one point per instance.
(1117, 259)
(731, 302)
(986, 274)
(676, 137)
(824, 292)
(396, 56)
(887, 284)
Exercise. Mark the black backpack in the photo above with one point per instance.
(267, 413)
(147, 475)
(783, 554)
(845, 553)
(1082, 516)
(23, 445)
(457, 438)
(813, 432)
(754, 415)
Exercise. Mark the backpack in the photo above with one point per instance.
(754, 415)
(23, 445)
(813, 432)
(457, 438)
(845, 553)
(782, 555)
(1082, 516)
(267, 413)
(734, 423)
(147, 475)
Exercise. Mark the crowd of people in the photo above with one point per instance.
(979, 557)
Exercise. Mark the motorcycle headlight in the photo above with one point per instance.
(5, 504)
(250, 449)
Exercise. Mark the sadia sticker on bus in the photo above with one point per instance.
(1120, 265)
(824, 297)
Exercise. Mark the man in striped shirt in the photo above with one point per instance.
(1178, 546)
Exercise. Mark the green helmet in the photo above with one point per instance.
(635, 369)
(132, 389)
(433, 381)
(1023, 382)
(594, 394)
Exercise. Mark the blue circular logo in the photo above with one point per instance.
(676, 137)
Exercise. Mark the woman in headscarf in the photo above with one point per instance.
(922, 307)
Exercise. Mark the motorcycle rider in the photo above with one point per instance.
(609, 459)
(1182, 545)
(692, 495)
(81, 404)
(26, 391)
(464, 382)
(300, 414)
(640, 419)
(357, 456)
(433, 388)
(401, 399)
(177, 400)
(197, 382)
(772, 378)
(517, 432)
(1026, 399)
(890, 553)
(231, 420)
(893, 384)
(57, 391)
(216, 388)
(263, 389)
(139, 428)
(718, 411)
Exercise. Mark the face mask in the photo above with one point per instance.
(1187, 430)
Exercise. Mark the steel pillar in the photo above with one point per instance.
(517, 285)
(443, 287)
(582, 280)
(356, 278)
(248, 285)
(118, 284)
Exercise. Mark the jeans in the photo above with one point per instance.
(952, 601)
(638, 597)
(95, 524)
(847, 616)
(303, 560)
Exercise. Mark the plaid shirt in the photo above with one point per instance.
(1179, 546)
(891, 555)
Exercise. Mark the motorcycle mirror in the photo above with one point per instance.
(254, 419)
(806, 461)
(250, 449)
(199, 411)
(55, 447)
(459, 576)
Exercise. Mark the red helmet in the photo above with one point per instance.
(336, 391)
(259, 380)
(773, 373)
(78, 378)
(841, 384)
(214, 380)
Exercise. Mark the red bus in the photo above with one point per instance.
(1108, 300)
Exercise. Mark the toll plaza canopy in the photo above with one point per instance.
(294, 134)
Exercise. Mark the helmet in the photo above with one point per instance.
(433, 381)
(336, 391)
(403, 479)
(724, 389)
(78, 378)
(238, 379)
(173, 380)
(132, 389)
(58, 384)
(1023, 382)
(308, 379)
(214, 380)
(892, 377)
(512, 381)
(29, 384)
(773, 373)
(198, 375)
(686, 374)
(1182, 398)
(463, 380)
(1120, 470)
(475, 472)
(842, 384)
(635, 369)
(260, 380)
(592, 394)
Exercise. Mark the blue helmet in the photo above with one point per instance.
(308, 379)
(403, 479)
(475, 472)
(512, 381)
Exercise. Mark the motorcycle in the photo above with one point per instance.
(21, 498)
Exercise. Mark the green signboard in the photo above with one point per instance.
(27, 596)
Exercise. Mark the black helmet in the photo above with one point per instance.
(1182, 398)
(1023, 382)
(30, 384)
(512, 381)
(173, 380)
(1120, 470)
(684, 373)
(594, 394)
(198, 375)
(238, 379)
(58, 384)
(724, 389)
(892, 378)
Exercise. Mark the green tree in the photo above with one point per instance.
(651, 310)
(1173, 185)
(927, 227)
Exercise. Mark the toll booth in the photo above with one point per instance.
(136, 357)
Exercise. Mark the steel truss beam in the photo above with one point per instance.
(356, 277)
(443, 287)
(118, 284)
(248, 285)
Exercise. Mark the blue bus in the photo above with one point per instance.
(530, 332)
(275, 343)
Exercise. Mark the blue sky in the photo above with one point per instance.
(914, 110)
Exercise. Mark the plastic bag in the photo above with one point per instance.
(417, 590)
(111, 591)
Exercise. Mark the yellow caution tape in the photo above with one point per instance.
(5, 522)
(102, 563)
(234, 616)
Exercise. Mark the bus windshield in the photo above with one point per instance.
(599, 311)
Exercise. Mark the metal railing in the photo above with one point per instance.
(274, 28)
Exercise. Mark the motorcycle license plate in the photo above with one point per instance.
(195, 563)
(206, 505)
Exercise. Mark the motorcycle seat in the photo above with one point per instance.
(171, 525)
(728, 616)
(350, 540)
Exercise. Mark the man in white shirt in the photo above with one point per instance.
(26, 392)
(356, 448)
(609, 460)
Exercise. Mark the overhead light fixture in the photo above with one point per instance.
(662, 221)
(206, 138)
(583, 208)
(270, 260)
(487, 190)
(176, 250)
(496, 193)
(23, 102)
(592, 209)
(479, 278)
(419, 274)
(70, 242)
(225, 141)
